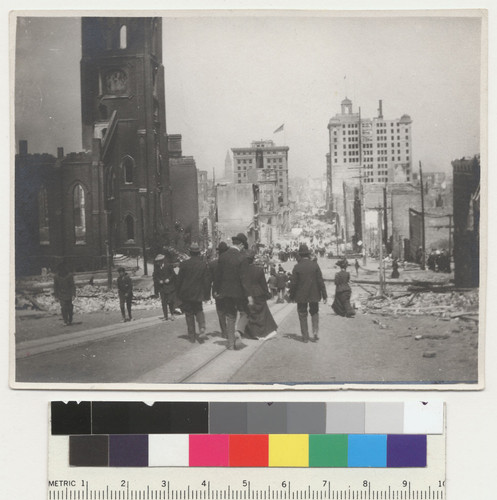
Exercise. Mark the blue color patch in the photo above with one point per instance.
(367, 450)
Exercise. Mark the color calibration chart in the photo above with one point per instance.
(254, 450)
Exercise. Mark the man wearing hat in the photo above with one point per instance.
(166, 284)
(193, 288)
(229, 284)
(220, 309)
(307, 289)
(125, 292)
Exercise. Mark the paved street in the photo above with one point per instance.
(369, 348)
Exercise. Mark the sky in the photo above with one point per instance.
(232, 79)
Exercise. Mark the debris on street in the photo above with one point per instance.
(453, 304)
(89, 299)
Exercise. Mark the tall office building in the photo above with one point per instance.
(382, 147)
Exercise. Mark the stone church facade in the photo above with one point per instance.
(116, 196)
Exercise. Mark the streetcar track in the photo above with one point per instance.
(204, 366)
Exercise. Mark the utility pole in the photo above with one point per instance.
(345, 217)
(361, 196)
(423, 244)
(450, 236)
(385, 216)
(380, 244)
(336, 233)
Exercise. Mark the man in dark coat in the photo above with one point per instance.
(125, 292)
(307, 289)
(166, 285)
(220, 309)
(229, 284)
(193, 288)
(65, 291)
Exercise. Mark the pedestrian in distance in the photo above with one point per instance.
(395, 269)
(193, 286)
(220, 309)
(281, 285)
(272, 284)
(125, 292)
(357, 266)
(230, 275)
(260, 320)
(341, 304)
(307, 288)
(65, 291)
(166, 284)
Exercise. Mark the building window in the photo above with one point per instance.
(43, 216)
(79, 215)
(128, 166)
(123, 38)
(129, 223)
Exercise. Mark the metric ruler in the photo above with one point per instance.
(249, 484)
(359, 477)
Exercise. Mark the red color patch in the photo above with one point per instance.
(249, 450)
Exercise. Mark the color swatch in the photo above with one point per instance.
(246, 418)
(248, 450)
(193, 434)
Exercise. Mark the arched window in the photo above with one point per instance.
(123, 39)
(130, 228)
(43, 223)
(79, 215)
(128, 166)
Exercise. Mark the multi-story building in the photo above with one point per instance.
(376, 149)
(265, 166)
(184, 178)
(262, 160)
(383, 148)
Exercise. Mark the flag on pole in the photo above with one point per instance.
(279, 129)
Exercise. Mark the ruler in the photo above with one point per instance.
(197, 483)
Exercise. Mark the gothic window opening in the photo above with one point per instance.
(123, 38)
(130, 228)
(43, 222)
(79, 215)
(128, 166)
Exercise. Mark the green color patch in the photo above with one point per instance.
(328, 450)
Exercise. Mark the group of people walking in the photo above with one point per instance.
(237, 283)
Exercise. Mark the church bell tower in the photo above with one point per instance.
(124, 124)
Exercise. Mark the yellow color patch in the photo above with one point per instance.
(288, 450)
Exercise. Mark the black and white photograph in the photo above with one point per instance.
(249, 199)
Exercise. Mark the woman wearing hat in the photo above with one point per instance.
(260, 319)
(341, 304)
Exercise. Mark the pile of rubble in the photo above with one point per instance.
(89, 298)
(451, 304)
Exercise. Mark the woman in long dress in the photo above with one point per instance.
(341, 304)
(260, 321)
